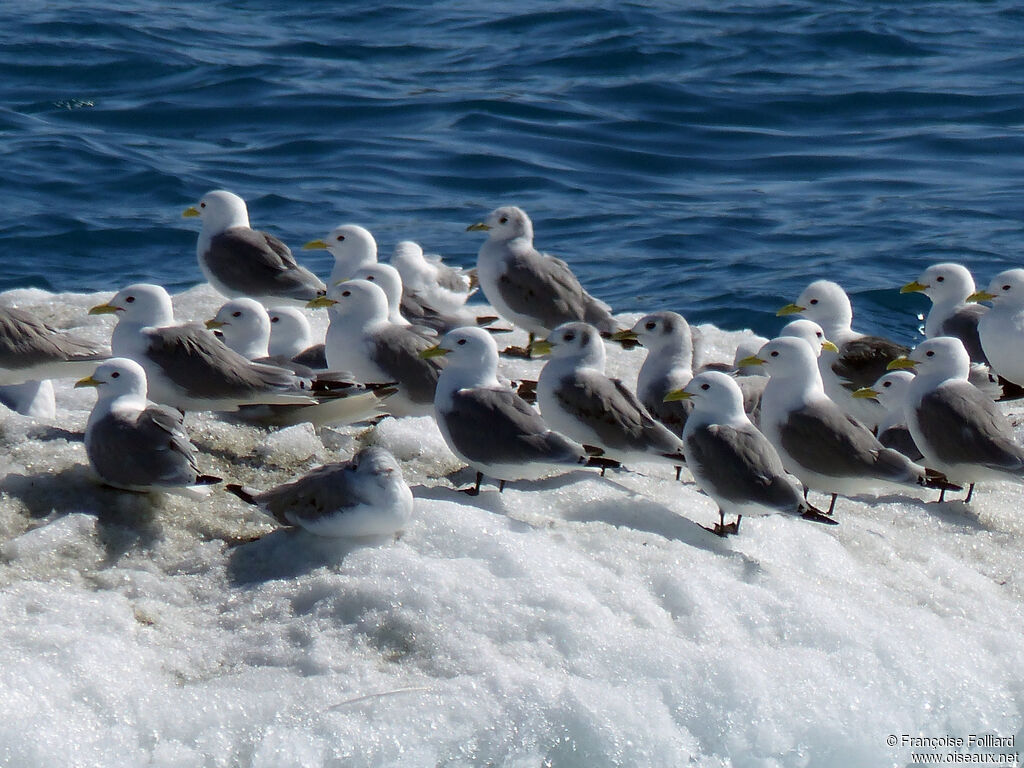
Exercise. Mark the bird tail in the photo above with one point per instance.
(248, 495)
(937, 480)
(810, 512)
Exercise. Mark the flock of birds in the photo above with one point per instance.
(821, 407)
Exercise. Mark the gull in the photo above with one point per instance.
(366, 496)
(352, 247)
(731, 460)
(489, 426)
(291, 337)
(186, 366)
(892, 392)
(30, 350)
(435, 285)
(948, 286)
(30, 398)
(528, 288)
(577, 399)
(362, 341)
(824, 447)
(1001, 329)
(861, 359)
(960, 430)
(238, 260)
(133, 444)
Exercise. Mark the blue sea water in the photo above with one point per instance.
(707, 157)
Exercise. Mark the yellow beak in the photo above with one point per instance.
(900, 363)
(790, 309)
(865, 393)
(214, 324)
(541, 347)
(435, 351)
(624, 335)
(190, 213)
(478, 227)
(315, 245)
(677, 394)
(914, 287)
(105, 309)
(320, 302)
(828, 345)
(981, 296)
(752, 360)
(88, 381)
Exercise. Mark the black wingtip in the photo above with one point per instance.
(245, 494)
(676, 457)
(208, 480)
(937, 481)
(815, 515)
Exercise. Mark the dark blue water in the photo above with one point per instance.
(712, 159)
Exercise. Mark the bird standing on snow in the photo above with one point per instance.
(530, 289)
(731, 460)
(366, 496)
(238, 260)
(133, 444)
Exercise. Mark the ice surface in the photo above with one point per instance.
(575, 621)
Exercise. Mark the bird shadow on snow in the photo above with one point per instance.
(290, 552)
(954, 512)
(125, 520)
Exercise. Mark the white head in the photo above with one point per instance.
(407, 253)
(716, 393)
(351, 245)
(943, 283)
(789, 358)
(468, 349)
(1006, 289)
(891, 390)
(506, 223)
(390, 282)
(938, 359)
(748, 348)
(116, 378)
(664, 331)
(808, 330)
(142, 304)
(357, 302)
(375, 461)
(220, 210)
(244, 326)
(578, 343)
(824, 302)
(290, 332)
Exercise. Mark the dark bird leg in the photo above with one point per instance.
(679, 472)
(501, 486)
(723, 530)
(970, 492)
(942, 495)
(832, 504)
(805, 491)
(475, 491)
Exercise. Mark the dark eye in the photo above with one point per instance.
(129, 300)
(460, 342)
(705, 386)
(887, 384)
(569, 336)
(651, 326)
(236, 314)
(503, 220)
(939, 279)
(340, 238)
(929, 353)
(370, 278)
(819, 335)
(114, 375)
(346, 293)
(775, 354)
(1006, 287)
(202, 205)
(813, 302)
(274, 319)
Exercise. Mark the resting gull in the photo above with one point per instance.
(238, 260)
(892, 392)
(366, 496)
(133, 444)
(948, 286)
(352, 247)
(731, 460)
(291, 337)
(30, 350)
(1001, 329)
(435, 285)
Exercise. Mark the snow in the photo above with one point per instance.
(573, 621)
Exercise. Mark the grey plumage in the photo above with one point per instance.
(396, 351)
(862, 361)
(963, 325)
(27, 343)
(255, 263)
(898, 438)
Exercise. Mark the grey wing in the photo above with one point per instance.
(418, 313)
(962, 425)
(615, 414)
(742, 466)
(899, 439)
(396, 351)
(499, 427)
(26, 341)
(863, 361)
(673, 415)
(452, 278)
(195, 360)
(825, 440)
(314, 357)
(258, 264)
(327, 489)
(151, 449)
(544, 287)
(963, 325)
